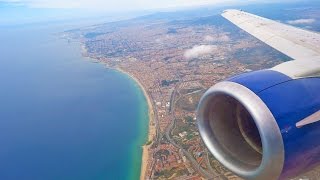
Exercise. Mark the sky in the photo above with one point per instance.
(28, 11)
(117, 5)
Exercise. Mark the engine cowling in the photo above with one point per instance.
(248, 123)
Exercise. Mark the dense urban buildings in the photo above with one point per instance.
(176, 60)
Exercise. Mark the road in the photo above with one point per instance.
(159, 136)
(188, 155)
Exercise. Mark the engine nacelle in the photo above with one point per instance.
(248, 123)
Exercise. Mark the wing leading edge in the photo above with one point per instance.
(301, 45)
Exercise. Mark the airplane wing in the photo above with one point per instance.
(261, 108)
(301, 45)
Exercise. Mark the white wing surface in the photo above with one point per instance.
(301, 45)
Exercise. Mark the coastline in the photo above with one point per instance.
(151, 126)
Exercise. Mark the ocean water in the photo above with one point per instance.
(63, 117)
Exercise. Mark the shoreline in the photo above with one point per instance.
(151, 127)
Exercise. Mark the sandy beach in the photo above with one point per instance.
(151, 129)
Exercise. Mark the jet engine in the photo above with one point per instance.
(262, 125)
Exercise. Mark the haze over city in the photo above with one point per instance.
(124, 89)
(24, 11)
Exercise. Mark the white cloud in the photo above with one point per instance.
(219, 38)
(224, 38)
(199, 51)
(301, 21)
(209, 38)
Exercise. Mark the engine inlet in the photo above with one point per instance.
(240, 131)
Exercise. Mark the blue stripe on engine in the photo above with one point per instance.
(290, 100)
(257, 81)
(289, 103)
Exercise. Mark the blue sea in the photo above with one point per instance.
(63, 117)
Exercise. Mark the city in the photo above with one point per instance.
(176, 61)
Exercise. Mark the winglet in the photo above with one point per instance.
(309, 120)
